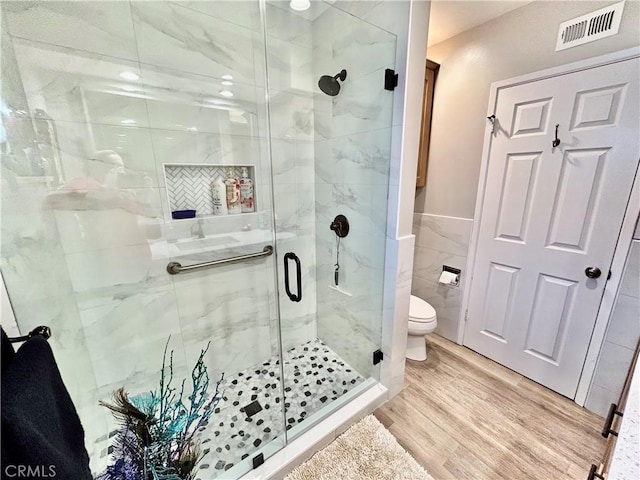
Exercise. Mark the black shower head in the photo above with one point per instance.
(330, 85)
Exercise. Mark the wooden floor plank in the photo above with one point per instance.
(463, 416)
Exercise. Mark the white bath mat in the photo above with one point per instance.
(367, 451)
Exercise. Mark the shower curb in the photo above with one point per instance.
(319, 436)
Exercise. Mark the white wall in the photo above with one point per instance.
(519, 42)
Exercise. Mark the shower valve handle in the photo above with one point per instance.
(340, 226)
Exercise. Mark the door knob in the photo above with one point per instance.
(592, 272)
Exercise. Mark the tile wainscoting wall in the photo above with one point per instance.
(440, 241)
(620, 340)
(444, 240)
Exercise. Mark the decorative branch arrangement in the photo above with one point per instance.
(157, 436)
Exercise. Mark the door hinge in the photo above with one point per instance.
(378, 356)
(466, 314)
(390, 79)
(609, 275)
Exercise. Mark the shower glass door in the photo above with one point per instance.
(118, 118)
(124, 124)
(330, 156)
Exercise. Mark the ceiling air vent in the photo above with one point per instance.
(590, 27)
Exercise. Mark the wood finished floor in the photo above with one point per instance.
(463, 416)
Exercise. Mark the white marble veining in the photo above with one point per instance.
(244, 14)
(358, 46)
(446, 234)
(390, 16)
(190, 102)
(352, 158)
(284, 24)
(440, 241)
(289, 66)
(292, 116)
(359, 159)
(98, 27)
(396, 311)
(363, 105)
(127, 336)
(428, 263)
(172, 36)
(625, 464)
(78, 86)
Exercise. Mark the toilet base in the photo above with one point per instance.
(416, 348)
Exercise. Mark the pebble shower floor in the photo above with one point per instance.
(250, 413)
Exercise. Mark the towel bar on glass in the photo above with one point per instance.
(175, 268)
(41, 330)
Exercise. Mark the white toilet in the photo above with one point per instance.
(422, 320)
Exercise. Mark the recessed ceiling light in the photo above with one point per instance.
(226, 82)
(227, 77)
(128, 121)
(120, 135)
(192, 129)
(129, 75)
(226, 93)
(299, 5)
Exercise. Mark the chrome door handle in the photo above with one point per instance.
(592, 272)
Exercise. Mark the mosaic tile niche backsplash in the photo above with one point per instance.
(189, 186)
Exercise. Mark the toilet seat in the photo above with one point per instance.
(420, 311)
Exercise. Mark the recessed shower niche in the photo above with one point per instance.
(193, 187)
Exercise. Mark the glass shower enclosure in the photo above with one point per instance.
(144, 145)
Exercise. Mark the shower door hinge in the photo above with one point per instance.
(378, 356)
(390, 79)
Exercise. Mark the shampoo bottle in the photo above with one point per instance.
(246, 192)
(233, 192)
(219, 193)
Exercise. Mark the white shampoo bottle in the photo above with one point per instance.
(219, 193)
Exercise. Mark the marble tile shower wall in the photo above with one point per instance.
(86, 233)
(352, 152)
(621, 338)
(440, 241)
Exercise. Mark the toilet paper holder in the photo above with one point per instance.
(455, 271)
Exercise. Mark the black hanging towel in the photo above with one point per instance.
(40, 426)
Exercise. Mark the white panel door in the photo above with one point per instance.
(550, 213)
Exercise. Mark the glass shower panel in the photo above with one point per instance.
(330, 156)
(116, 115)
